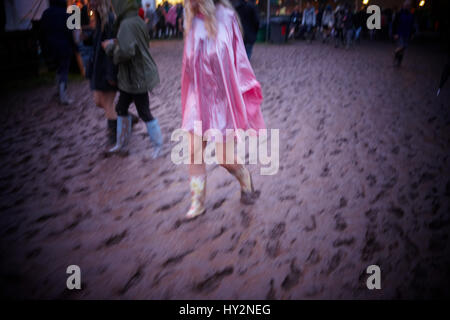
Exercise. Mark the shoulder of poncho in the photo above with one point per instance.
(224, 12)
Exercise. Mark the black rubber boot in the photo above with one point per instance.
(112, 132)
(134, 119)
(398, 57)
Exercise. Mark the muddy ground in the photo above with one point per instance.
(364, 179)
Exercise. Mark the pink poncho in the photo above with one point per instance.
(218, 85)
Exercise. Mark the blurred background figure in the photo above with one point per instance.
(359, 22)
(141, 11)
(294, 22)
(180, 19)
(327, 23)
(309, 21)
(339, 15)
(403, 28)
(150, 19)
(445, 75)
(446, 72)
(60, 43)
(161, 24)
(249, 16)
(84, 43)
(171, 22)
(348, 25)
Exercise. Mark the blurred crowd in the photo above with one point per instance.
(164, 21)
(338, 22)
(341, 23)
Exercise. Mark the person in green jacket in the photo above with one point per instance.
(138, 73)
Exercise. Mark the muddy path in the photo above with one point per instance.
(364, 179)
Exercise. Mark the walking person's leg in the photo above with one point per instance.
(154, 131)
(197, 176)
(348, 36)
(399, 51)
(228, 159)
(124, 122)
(249, 50)
(63, 78)
(105, 100)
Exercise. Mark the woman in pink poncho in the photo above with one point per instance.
(218, 89)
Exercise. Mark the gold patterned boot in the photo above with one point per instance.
(198, 193)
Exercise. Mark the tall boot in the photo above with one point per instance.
(63, 98)
(134, 119)
(398, 57)
(123, 134)
(154, 131)
(112, 132)
(248, 192)
(198, 195)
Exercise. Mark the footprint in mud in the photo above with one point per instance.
(312, 225)
(247, 248)
(271, 295)
(170, 205)
(371, 245)
(33, 253)
(313, 257)
(134, 280)
(371, 214)
(343, 242)
(292, 278)
(396, 211)
(212, 282)
(219, 203)
(245, 219)
(220, 232)
(273, 248)
(325, 171)
(113, 240)
(278, 230)
(334, 262)
(176, 259)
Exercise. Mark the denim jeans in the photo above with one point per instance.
(249, 50)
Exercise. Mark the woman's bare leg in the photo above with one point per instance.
(105, 100)
(229, 160)
(110, 110)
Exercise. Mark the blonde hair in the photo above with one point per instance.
(104, 8)
(208, 9)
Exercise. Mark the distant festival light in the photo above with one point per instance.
(422, 3)
(91, 13)
(365, 2)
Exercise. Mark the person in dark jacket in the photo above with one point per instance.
(339, 15)
(403, 27)
(348, 25)
(248, 14)
(60, 43)
(101, 70)
(294, 22)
